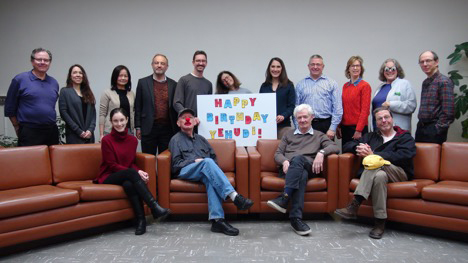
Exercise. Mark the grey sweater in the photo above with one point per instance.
(188, 87)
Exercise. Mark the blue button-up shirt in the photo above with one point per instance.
(31, 99)
(324, 96)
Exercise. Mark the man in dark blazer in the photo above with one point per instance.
(155, 117)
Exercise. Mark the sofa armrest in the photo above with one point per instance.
(242, 171)
(254, 178)
(331, 175)
(164, 177)
(147, 163)
(346, 166)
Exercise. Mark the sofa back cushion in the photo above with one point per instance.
(75, 162)
(225, 153)
(24, 166)
(427, 161)
(454, 161)
(267, 149)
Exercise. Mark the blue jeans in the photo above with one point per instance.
(217, 185)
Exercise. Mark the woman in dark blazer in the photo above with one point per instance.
(77, 107)
(276, 81)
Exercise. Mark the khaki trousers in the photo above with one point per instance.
(374, 183)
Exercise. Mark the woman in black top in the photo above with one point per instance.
(276, 80)
(77, 107)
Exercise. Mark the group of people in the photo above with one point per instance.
(163, 114)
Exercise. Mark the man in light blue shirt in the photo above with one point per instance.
(323, 95)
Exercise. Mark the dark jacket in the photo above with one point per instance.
(285, 100)
(70, 108)
(144, 105)
(399, 151)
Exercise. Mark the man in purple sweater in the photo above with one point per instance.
(30, 102)
(300, 156)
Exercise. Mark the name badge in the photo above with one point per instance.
(398, 93)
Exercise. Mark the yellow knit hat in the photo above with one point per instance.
(374, 161)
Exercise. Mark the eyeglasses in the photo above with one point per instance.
(315, 64)
(387, 69)
(355, 66)
(43, 60)
(427, 61)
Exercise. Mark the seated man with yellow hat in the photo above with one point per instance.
(388, 157)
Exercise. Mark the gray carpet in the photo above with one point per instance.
(259, 241)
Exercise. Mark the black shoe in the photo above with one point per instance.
(158, 212)
(242, 203)
(280, 203)
(379, 229)
(221, 226)
(140, 226)
(300, 227)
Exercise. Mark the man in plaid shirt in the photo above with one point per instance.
(437, 109)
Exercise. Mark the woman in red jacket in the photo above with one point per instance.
(118, 167)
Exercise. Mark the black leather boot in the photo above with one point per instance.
(137, 206)
(156, 210)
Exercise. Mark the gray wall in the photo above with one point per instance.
(240, 36)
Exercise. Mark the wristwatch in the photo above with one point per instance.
(322, 151)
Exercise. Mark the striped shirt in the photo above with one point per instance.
(437, 101)
(324, 96)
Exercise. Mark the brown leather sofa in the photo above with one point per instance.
(264, 184)
(436, 198)
(48, 191)
(184, 197)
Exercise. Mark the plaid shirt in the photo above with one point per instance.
(437, 101)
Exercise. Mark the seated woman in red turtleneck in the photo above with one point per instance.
(118, 167)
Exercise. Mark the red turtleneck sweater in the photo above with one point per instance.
(118, 153)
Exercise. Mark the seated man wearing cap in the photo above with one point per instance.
(300, 156)
(193, 159)
(397, 148)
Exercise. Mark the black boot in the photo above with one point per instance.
(379, 229)
(137, 206)
(156, 210)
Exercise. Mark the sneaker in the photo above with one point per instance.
(221, 226)
(280, 203)
(300, 227)
(242, 203)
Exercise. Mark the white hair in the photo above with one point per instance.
(302, 107)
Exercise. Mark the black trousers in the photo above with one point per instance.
(29, 135)
(299, 171)
(157, 141)
(322, 125)
(347, 133)
(427, 132)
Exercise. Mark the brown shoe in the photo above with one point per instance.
(349, 212)
(378, 230)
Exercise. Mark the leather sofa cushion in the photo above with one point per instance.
(454, 162)
(274, 183)
(24, 166)
(409, 189)
(35, 199)
(75, 162)
(95, 192)
(267, 149)
(179, 185)
(225, 154)
(451, 192)
(427, 161)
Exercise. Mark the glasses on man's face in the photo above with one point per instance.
(427, 61)
(42, 60)
(387, 69)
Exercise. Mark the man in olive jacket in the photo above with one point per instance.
(394, 145)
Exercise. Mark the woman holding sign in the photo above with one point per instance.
(276, 81)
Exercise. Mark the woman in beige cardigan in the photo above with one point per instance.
(118, 96)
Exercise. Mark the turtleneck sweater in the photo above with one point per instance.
(118, 153)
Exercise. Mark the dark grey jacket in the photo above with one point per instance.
(71, 111)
